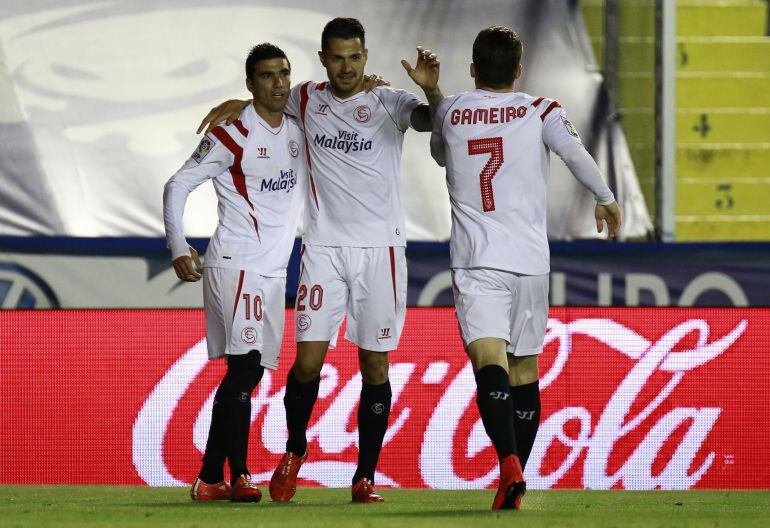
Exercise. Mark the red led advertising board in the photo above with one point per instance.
(633, 398)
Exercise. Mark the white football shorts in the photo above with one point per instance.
(244, 311)
(502, 304)
(369, 284)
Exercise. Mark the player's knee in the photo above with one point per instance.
(374, 367)
(522, 370)
(244, 372)
(307, 368)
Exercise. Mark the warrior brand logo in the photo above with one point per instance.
(499, 395)
(525, 415)
(362, 113)
(286, 182)
(378, 408)
(243, 397)
(262, 152)
(322, 108)
(293, 148)
(384, 333)
(303, 322)
(344, 141)
(249, 335)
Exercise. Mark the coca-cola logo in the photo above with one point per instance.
(615, 418)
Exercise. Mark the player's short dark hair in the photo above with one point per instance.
(496, 54)
(342, 28)
(260, 52)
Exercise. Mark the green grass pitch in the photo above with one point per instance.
(119, 506)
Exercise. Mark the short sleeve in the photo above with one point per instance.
(292, 105)
(437, 136)
(400, 104)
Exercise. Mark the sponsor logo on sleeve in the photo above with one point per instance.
(570, 127)
(204, 147)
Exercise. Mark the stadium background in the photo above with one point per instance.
(649, 338)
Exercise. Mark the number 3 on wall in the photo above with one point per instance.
(494, 147)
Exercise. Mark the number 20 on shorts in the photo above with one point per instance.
(315, 299)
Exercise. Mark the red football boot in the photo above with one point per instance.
(512, 486)
(283, 483)
(245, 490)
(201, 491)
(363, 491)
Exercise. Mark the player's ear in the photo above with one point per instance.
(518, 71)
(249, 85)
(322, 58)
(366, 54)
(473, 70)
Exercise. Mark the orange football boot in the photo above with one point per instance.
(283, 483)
(512, 486)
(363, 491)
(201, 491)
(245, 490)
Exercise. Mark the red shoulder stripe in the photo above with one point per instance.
(242, 129)
(548, 110)
(537, 101)
(236, 170)
(303, 99)
(321, 85)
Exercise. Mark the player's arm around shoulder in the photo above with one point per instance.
(209, 160)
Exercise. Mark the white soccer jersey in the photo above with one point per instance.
(354, 159)
(495, 147)
(259, 176)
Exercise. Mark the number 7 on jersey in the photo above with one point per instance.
(494, 147)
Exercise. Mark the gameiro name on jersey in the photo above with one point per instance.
(495, 147)
(259, 176)
(354, 158)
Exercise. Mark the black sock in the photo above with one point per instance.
(298, 401)
(373, 413)
(526, 417)
(231, 419)
(214, 457)
(496, 408)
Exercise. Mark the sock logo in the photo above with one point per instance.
(500, 395)
(525, 415)
(378, 408)
(243, 397)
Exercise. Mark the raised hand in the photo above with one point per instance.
(426, 71)
(227, 112)
(183, 266)
(608, 213)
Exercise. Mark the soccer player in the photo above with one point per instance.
(353, 248)
(495, 144)
(259, 176)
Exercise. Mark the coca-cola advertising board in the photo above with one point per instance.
(633, 398)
